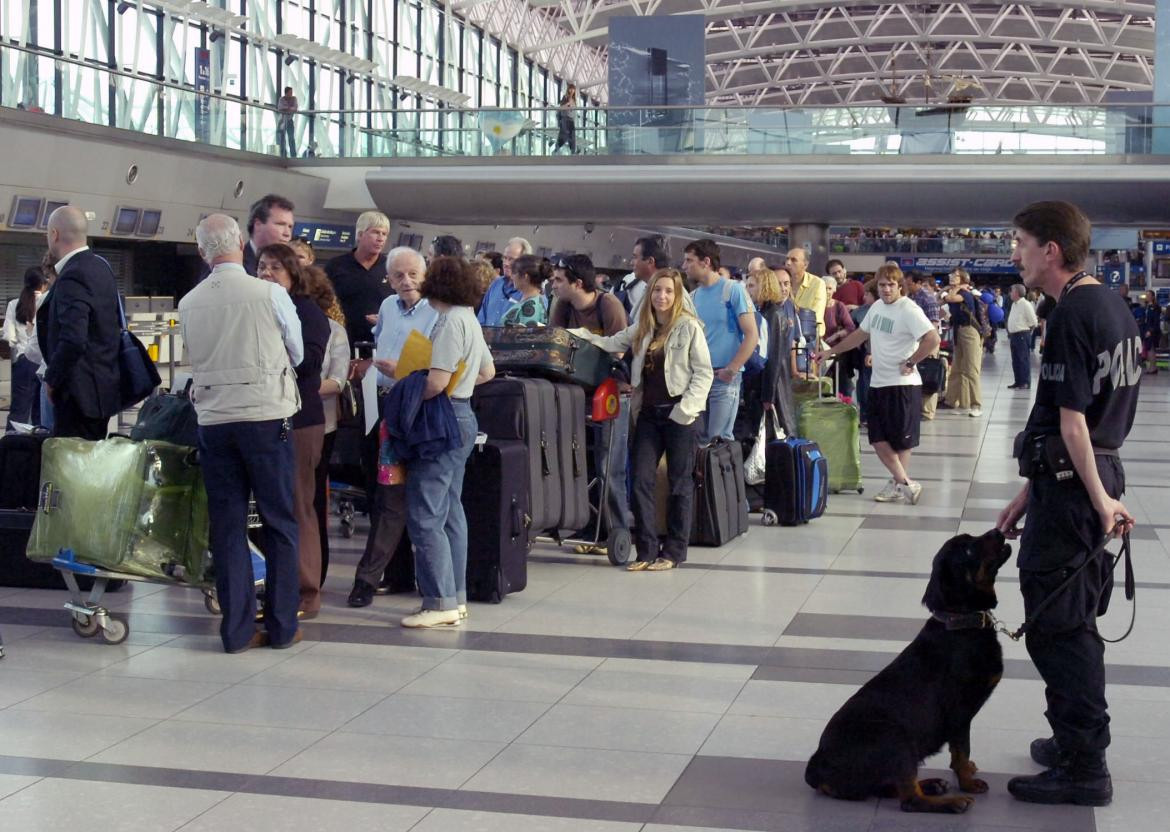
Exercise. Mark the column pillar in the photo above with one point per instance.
(1161, 109)
(813, 237)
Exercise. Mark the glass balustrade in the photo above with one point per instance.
(91, 93)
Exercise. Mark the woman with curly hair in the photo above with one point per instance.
(434, 487)
(279, 264)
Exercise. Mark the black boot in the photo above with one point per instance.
(1047, 753)
(1083, 780)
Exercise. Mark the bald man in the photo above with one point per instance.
(755, 264)
(82, 332)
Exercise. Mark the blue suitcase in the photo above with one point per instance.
(796, 482)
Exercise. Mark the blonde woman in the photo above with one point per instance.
(671, 376)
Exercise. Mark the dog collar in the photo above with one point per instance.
(981, 620)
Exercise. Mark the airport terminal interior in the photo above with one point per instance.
(681, 700)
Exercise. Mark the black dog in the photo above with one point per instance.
(925, 697)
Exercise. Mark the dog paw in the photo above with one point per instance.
(934, 786)
(973, 785)
(958, 804)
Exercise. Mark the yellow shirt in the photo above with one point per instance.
(811, 294)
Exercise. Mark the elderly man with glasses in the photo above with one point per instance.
(501, 294)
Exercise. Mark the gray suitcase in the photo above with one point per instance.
(574, 466)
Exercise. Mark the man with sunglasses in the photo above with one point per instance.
(501, 293)
(579, 300)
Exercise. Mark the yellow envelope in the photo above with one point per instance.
(416, 355)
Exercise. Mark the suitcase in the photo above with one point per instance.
(720, 501)
(796, 485)
(571, 446)
(133, 507)
(495, 500)
(526, 409)
(836, 428)
(548, 352)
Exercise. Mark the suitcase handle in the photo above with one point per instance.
(50, 498)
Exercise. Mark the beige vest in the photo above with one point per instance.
(240, 369)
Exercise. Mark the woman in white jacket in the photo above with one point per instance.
(671, 376)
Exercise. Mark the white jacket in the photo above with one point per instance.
(688, 365)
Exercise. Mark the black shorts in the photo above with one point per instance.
(894, 415)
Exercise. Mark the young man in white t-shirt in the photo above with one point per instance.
(900, 336)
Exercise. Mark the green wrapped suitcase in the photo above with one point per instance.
(139, 508)
(835, 427)
(547, 352)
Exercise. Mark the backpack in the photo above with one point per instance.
(982, 319)
(756, 361)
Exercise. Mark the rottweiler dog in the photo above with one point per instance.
(927, 696)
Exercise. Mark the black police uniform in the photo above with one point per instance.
(1090, 364)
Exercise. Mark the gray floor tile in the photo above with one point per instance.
(401, 761)
(63, 736)
(267, 813)
(655, 690)
(492, 720)
(205, 746)
(12, 783)
(661, 730)
(480, 682)
(456, 820)
(75, 804)
(19, 685)
(276, 707)
(580, 773)
(315, 669)
(764, 737)
(122, 696)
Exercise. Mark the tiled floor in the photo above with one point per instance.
(593, 700)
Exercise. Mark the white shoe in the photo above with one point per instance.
(462, 611)
(910, 492)
(889, 493)
(433, 618)
(975, 411)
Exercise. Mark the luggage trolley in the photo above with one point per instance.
(90, 618)
(604, 408)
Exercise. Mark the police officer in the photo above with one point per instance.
(1085, 405)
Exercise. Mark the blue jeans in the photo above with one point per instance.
(722, 404)
(241, 459)
(47, 420)
(1021, 345)
(26, 393)
(435, 519)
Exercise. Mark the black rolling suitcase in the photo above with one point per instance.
(525, 409)
(20, 480)
(720, 500)
(796, 485)
(495, 500)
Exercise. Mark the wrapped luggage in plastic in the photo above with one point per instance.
(835, 427)
(139, 508)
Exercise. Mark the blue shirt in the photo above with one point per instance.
(720, 324)
(395, 322)
(498, 300)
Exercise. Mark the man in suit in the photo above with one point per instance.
(82, 332)
(269, 221)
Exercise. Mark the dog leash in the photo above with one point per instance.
(1130, 588)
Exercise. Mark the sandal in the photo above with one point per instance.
(661, 565)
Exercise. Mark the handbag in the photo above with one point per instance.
(170, 417)
(754, 467)
(137, 374)
(348, 411)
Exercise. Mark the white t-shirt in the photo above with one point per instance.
(457, 336)
(894, 332)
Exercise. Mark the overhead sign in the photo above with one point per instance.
(1161, 247)
(973, 265)
(321, 235)
(202, 100)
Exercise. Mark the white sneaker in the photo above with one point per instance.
(433, 618)
(975, 411)
(462, 611)
(889, 493)
(910, 492)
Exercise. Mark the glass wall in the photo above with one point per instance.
(421, 39)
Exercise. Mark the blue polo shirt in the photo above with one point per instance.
(720, 324)
(395, 322)
(498, 300)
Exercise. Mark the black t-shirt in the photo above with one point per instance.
(961, 311)
(1091, 364)
(1044, 307)
(360, 291)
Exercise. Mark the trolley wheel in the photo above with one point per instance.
(86, 629)
(618, 546)
(769, 517)
(861, 489)
(115, 631)
(211, 603)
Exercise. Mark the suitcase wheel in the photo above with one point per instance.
(861, 489)
(618, 546)
(769, 517)
(115, 631)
